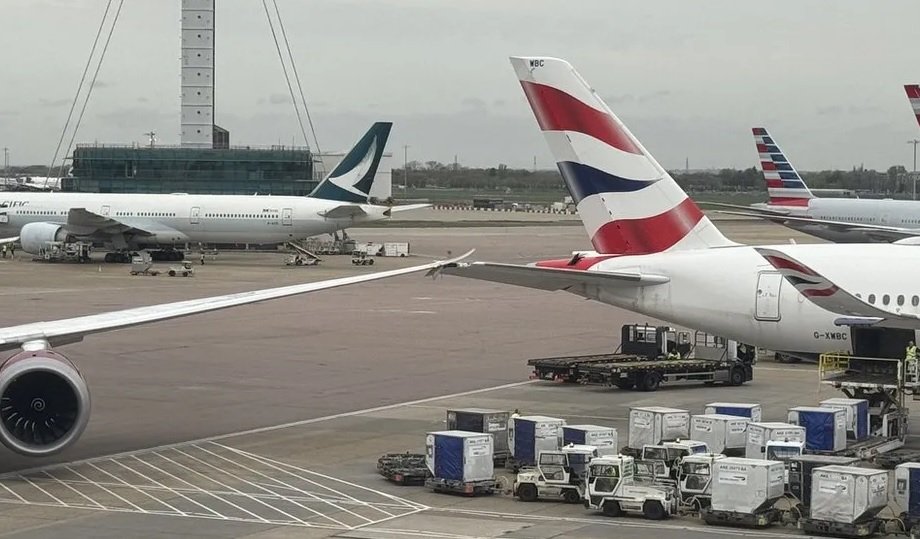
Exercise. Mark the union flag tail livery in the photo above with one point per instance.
(913, 94)
(628, 203)
(784, 185)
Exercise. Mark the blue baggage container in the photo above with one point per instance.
(825, 428)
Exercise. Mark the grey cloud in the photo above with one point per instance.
(619, 99)
(474, 103)
(830, 111)
(279, 99)
(51, 103)
(653, 96)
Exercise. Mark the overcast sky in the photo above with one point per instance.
(689, 77)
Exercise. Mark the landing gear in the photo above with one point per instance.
(118, 257)
(167, 255)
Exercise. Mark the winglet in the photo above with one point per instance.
(826, 294)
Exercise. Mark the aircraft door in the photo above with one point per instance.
(287, 217)
(766, 303)
(106, 210)
(194, 216)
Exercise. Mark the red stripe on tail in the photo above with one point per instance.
(788, 201)
(784, 263)
(558, 111)
(913, 91)
(648, 235)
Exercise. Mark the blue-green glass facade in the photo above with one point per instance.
(237, 170)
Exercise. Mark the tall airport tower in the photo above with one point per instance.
(197, 115)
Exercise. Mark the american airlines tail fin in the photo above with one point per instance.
(628, 203)
(784, 185)
(913, 94)
(351, 180)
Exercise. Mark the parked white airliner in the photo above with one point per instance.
(655, 252)
(136, 221)
(45, 400)
(842, 220)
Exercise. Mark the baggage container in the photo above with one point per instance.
(748, 486)
(603, 438)
(825, 428)
(907, 489)
(720, 432)
(651, 425)
(847, 495)
(494, 422)
(750, 411)
(457, 455)
(857, 416)
(800, 473)
(529, 435)
(758, 434)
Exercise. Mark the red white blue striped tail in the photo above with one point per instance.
(628, 203)
(784, 185)
(913, 94)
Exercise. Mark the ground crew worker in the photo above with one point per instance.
(12, 250)
(515, 413)
(910, 357)
(4, 250)
(202, 258)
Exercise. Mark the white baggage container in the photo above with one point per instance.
(603, 438)
(847, 495)
(825, 428)
(651, 425)
(746, 485)
(720, 432)
(758, 434)
(742, 409)
(529, 435)
(459, 455)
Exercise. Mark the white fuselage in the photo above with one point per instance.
(199, 218)
(734, 292)
(884, 212)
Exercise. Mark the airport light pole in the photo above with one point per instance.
(406, 168)
(914, 173)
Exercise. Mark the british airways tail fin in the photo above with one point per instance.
(784, 185)
(913, 94)
(352, 179)
(628, 203)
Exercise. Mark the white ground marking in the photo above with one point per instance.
(211, 481)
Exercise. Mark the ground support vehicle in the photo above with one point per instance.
(671, 454)
(884, 383)
(611, 487)
(185, 270)
(361, 259)
(694, 479)
(558, 475)
(142, 265)
(60, 251)
(404, 468)
(845, 501)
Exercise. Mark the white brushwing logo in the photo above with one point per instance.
(348, 180)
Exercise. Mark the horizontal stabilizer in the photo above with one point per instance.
(344, 212)
(825, 294)
(406, 207)
(550, 278)
(872, 232)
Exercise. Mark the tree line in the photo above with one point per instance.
(436, 175)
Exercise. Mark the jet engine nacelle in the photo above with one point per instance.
(44, 403)
(34, 236)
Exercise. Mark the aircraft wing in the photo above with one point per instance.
(576, 281)
(73, 330)
(750, 211)
(878, 232)
(12, 239)
(82, 222)
(824, 293)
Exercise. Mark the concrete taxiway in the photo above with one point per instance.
(267, 420)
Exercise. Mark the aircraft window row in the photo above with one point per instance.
(40, 212)
(144, 214)
(886, 299)
(242, 215)
(850, 219)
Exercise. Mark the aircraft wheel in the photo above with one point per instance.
(109, 258)
(172, 273)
